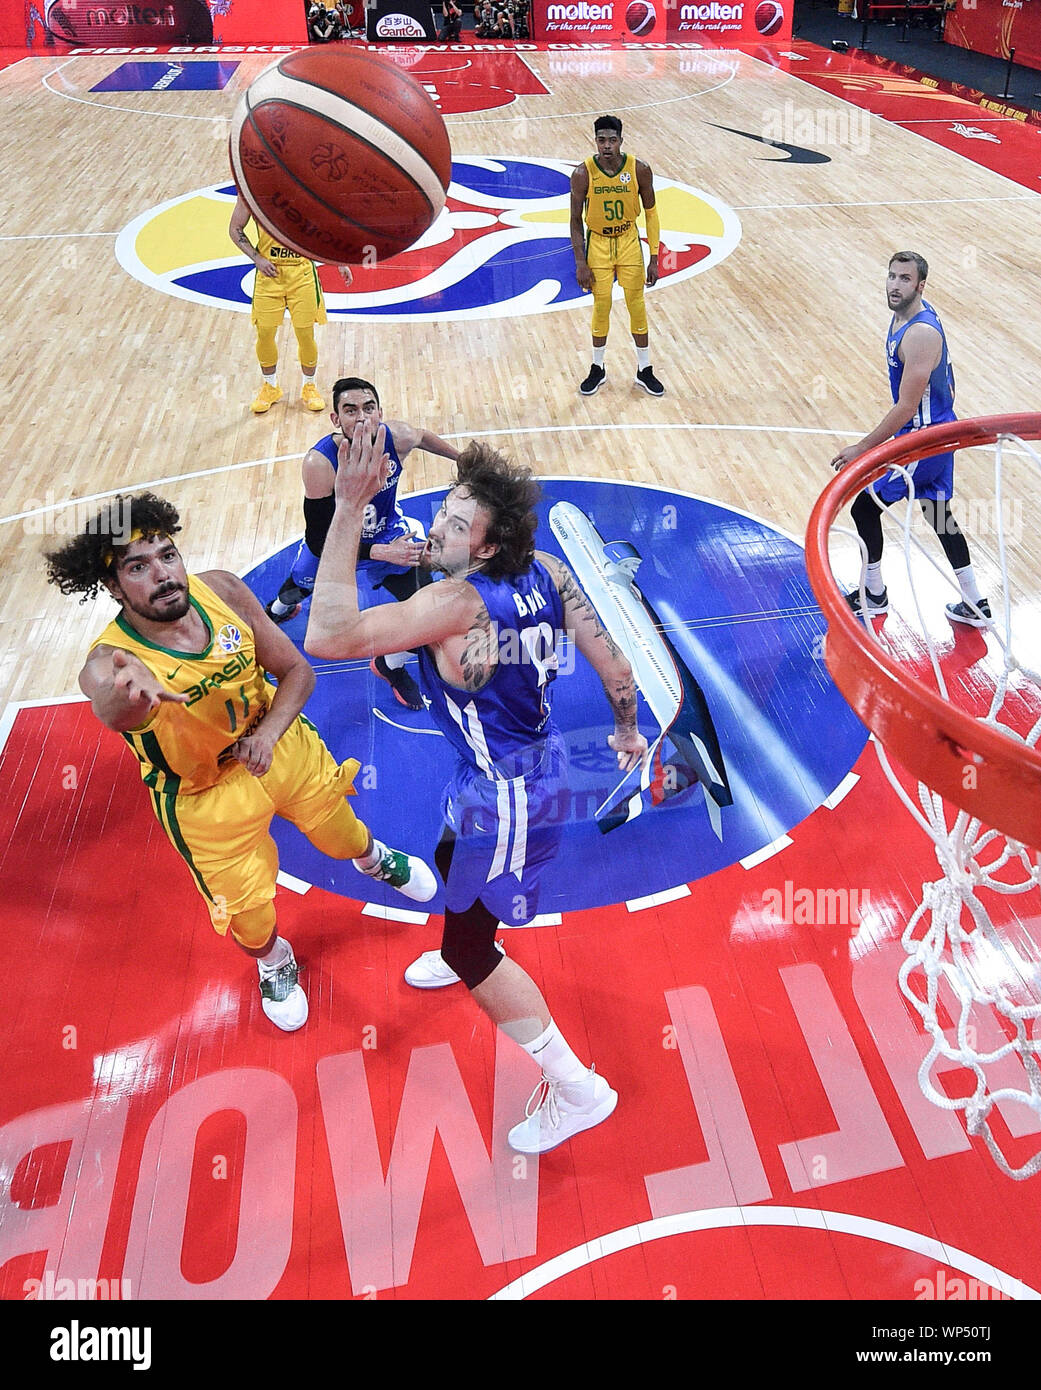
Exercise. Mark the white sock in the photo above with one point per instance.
(598, 355)
(369, 861)
(554, 1056)
(395, 660)
(643, 358)
(307, 378)
(271, 377)
(970, 590)
(280, 953)
(278, 607)
(873, 579)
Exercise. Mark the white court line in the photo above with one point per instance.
(767, 852)
(57, 236)
(669, 895)
(130, 110)
(395, 914)
(598, 111)
(464, 434)
(895, 121)
(295, 885)
(1023, 197)
(739, 1218)
(841, 791)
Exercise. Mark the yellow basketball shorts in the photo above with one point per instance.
(296, 289)
(223, 833)
(621, 259)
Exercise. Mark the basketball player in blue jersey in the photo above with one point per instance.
(488, 630)
(921, 379)
(390, 551)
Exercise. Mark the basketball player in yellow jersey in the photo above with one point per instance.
(182, 674)
(607, 191)
(285, 281)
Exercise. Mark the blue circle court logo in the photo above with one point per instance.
(714, 611)
(500, 248)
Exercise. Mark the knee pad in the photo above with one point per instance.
(601, 308)
(267, 345)
(468, 944)
(307, 348)
(637, 306)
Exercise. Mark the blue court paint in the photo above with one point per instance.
(733, 596)
(168, 76)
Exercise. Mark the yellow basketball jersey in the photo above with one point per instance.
(613, 201)
(187, 748)
(275, 251)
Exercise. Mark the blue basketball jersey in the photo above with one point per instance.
(382, 514)
(493, 729)
(937, 403)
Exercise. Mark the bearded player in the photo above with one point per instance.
(182, 674)
(488, 633)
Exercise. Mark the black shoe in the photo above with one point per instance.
(281, 618)
(406, 691)
(650, 382)
(877, 604)
(967, 613)
(593, 382)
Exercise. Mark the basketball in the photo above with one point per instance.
(341, 156)
(768, 17)
(639, 17)
(99, 25)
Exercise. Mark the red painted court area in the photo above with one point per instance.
(770, 1142)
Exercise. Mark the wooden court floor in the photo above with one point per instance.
(772, 358)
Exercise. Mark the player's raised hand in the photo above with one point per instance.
(134, 683)
(362, 465)
(845, 457)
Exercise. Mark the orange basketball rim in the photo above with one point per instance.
(932, 739)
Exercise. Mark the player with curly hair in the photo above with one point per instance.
(487, 633)
(182, 673)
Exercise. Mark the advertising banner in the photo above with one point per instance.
(411, 21)
(997, 27)
(712, 22)
(66, 25)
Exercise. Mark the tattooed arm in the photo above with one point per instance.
(602, 652)
(478, 655)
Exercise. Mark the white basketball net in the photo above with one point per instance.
(992, 974)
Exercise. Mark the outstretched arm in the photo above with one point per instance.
(337, 627)
(408, 437)
(122, 690)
